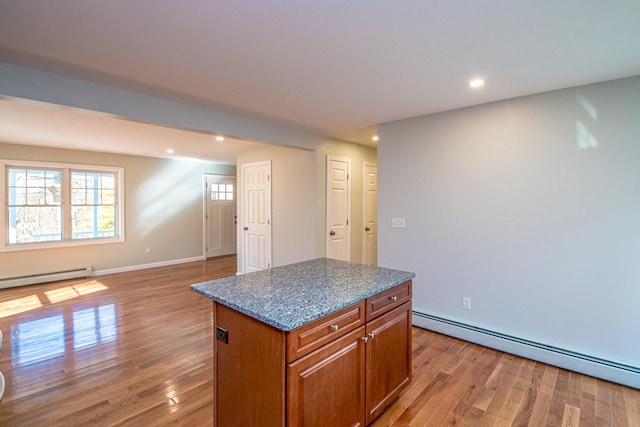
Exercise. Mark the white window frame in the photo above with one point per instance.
(66, 168)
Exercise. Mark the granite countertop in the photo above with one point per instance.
(293, 295)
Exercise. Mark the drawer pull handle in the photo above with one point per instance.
(393, 298)
(335, 328)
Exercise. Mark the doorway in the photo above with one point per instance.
(220, 216)
(338, 207)
(256, 216)
(370, 213)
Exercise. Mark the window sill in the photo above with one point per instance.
(60, 244)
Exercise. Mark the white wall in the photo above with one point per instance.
(293, 216)
(530, 207)
(163, 210)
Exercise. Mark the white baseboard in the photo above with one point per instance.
(585, 364)
(143, 266)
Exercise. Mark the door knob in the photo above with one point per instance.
(332, 233)
(367, 229)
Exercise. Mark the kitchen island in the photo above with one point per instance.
(317, 343)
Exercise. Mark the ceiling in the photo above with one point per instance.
(40, 124)
(335, 68)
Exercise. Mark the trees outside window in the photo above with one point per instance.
(49, 203)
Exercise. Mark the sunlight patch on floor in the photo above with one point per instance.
(69, 292)
(23, 304)
(19, 305)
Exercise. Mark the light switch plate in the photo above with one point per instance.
(398, 222)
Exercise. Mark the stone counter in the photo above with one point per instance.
(291, 296)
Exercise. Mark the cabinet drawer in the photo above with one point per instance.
(327, 387)
(309, 337)
(388, 300)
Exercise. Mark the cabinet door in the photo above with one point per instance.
(326, 387)
(388, 359)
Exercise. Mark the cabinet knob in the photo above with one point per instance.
(365, 339)
(372, 335)
(335, 328)
(393, 298)
(332, 233)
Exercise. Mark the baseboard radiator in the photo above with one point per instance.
(563, 358)
(32, 279)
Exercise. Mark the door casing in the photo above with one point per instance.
(370, 213)
(338, 202)
(255, 230)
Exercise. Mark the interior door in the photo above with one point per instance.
(256, 218)
(338, 206)
(370, 213)
(220, 216)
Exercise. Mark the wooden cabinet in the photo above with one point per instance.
(327, 386)
(314, 335)
(249, 372)
(388, 357)
(351, 380)
(344, 369)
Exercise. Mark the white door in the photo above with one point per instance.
(256, 218)
(370, 213)
(220, 215)
(338, 200)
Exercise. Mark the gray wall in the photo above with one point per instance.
(28, 83)
(530, 207)
(163, 210)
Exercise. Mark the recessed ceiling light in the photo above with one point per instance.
(475, 83)
(375, 138)
(219, 138)
(170, 150)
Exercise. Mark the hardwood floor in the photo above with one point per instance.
(136, 349)
(463, 384)
(124, 349)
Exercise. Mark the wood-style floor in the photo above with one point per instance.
(136, 349)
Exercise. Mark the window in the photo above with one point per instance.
(58, 204)
(35, 208)
(93, 205)
(221, 191)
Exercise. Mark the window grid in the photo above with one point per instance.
(93, 206)
(34, 205)
(50, 205)
(221, 191)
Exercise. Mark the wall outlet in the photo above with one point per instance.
(397, 222)
(148, 249)
(466, 303)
